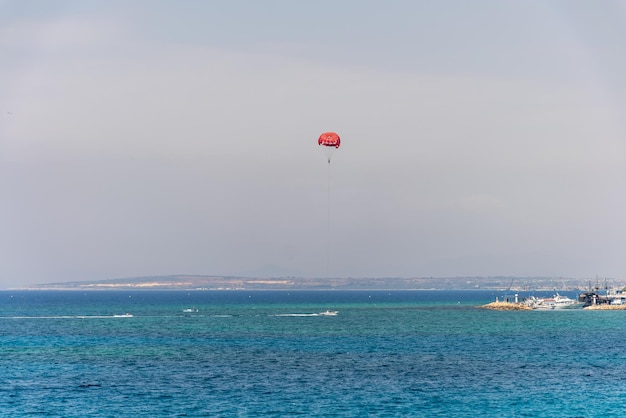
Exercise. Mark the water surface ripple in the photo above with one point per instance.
(418, 353)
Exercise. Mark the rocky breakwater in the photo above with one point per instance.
(605, 307)
(506, 306)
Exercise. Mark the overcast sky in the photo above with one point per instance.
(180, 137)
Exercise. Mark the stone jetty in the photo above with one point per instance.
(506, 306)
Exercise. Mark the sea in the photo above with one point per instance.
(335, 353)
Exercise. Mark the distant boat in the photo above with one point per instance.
(612, 297)
(126, 315)
(555, 302)
(190, 310)
(329, 313)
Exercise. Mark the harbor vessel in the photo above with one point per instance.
(555, 302)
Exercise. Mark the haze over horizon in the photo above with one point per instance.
(142, 138)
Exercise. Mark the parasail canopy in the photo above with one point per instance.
(329, 139)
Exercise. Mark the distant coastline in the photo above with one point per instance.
(207, 282)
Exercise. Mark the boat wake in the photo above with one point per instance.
(326, 313)
(127, 315)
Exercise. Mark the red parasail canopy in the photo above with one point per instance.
(329, 139)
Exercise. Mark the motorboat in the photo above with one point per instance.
(555, 302)
(329, 313)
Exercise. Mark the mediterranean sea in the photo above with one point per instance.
(286, 353)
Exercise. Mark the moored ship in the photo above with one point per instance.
(555, 302)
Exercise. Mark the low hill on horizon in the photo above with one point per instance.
(208, 282)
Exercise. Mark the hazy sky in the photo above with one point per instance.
(164, 137)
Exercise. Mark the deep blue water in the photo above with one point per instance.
(266, 353)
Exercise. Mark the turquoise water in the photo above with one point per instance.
(400, 353)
